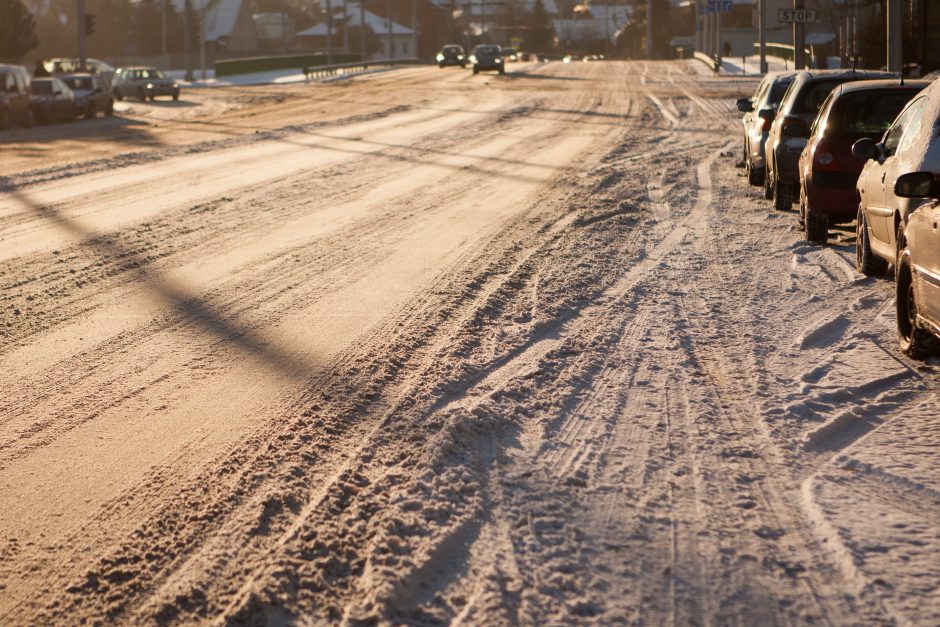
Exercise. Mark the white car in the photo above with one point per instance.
(143, 83)
(907, 146)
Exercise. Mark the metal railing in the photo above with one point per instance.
(340, 69)
(713, 63)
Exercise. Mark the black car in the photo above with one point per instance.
(488, 57)
(53, 100)
(451, 55)
(15, 96)
(790, 130)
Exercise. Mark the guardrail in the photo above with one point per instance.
(712, 62)
(339, 69)
(787, 52)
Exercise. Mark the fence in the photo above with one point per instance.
(320, 71)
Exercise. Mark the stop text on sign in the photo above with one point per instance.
(798, 16)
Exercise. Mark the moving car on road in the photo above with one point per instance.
(53, 100)
(909, 145)
(451, 55)
(791, 129)
(143, 83)
(15, 96)
(510, 54)
(92, 93)
(828, 169)
(759, 111)
(487, 57)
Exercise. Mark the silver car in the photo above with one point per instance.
(143, 83)
(759, 111)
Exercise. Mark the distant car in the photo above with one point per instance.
(487, 57)
(73, 65)
(15, 96)
(828, 169)
(790, 130)
(53, 100)
(510, 54)
(759, 111)
(451, 55)
(143, 83)
(92, 94)
(909, 145)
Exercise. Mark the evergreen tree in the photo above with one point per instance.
(17, 30)
(539, 37)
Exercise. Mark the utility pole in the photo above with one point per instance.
(762, 32)
(187, 39)
(163, 33)
(391, 42)
(345, 29)
(649, 29)
(414, 28)
(329, 33)
(894, 36)
(362, 29)
(799, 40)
(482, 21)
(719, 50)
(202, 38)
(82, 49)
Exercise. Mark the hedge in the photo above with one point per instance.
(229, 67)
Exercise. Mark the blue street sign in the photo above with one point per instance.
(715, 6)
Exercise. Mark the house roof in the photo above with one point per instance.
(221, 15)
(376, 22)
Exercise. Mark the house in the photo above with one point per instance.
(592, 23)
(228, 24)
(402, 37)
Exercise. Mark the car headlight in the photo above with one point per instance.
(149, 85)
(440, 57)
(473, 59)
(498, 60)
(176, 85)
(460, 57)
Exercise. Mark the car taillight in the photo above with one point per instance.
(765, 127)
(823, 159)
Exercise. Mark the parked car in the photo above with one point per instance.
(143, 83)
(828, 169)
(451, 55)
(92, 94)
(487, 57)
(510, 54)
(15, 96)
(53, 100)
(73, 65)
(759, 111)
(791, 129)
(909, 145)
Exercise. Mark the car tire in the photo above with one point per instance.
(783, 196)
(475, 71)
(815, 226)
(30, 119)
(176, 97)
(866, 261)
(109, 110)
(502, 71)
(768, 185)
(4, 119)
(755, 177)
(914, 341)
(141, 95)
(118, 96)
(91, 112)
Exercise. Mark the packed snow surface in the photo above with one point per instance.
(425, 347)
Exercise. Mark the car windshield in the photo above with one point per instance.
(151, 74)
(487, 50)
(870, 112)
(452, 49)
(43, 88)
(79, 83)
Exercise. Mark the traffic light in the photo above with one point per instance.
(89, 24)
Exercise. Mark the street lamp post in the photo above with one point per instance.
(390, 41)
(762, 30)
(894, 35)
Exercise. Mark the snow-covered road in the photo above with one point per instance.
(429, 347)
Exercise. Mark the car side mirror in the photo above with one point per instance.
(767, 114)
(917, 185)
(745, 105)
(865, 148)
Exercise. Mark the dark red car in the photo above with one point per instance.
(828, 169)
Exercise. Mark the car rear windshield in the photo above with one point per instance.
(43, 88)
(79, 83)
(778, 90)
(814, 94)
(870, 112)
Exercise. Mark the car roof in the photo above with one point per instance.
(78, 75)
(808, 75)
(139, 67)
(881, 84)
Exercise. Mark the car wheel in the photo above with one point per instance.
(755, 177)
(815, 226)
(30, 119)
(502, 70)
(109, 110)
(768, 185)
(866, 261)
(914, 341)
(4, 119)
(476, 71)
(783, 196)
(90, 112)
(118, 96)
(176, 97)
(141, 95)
